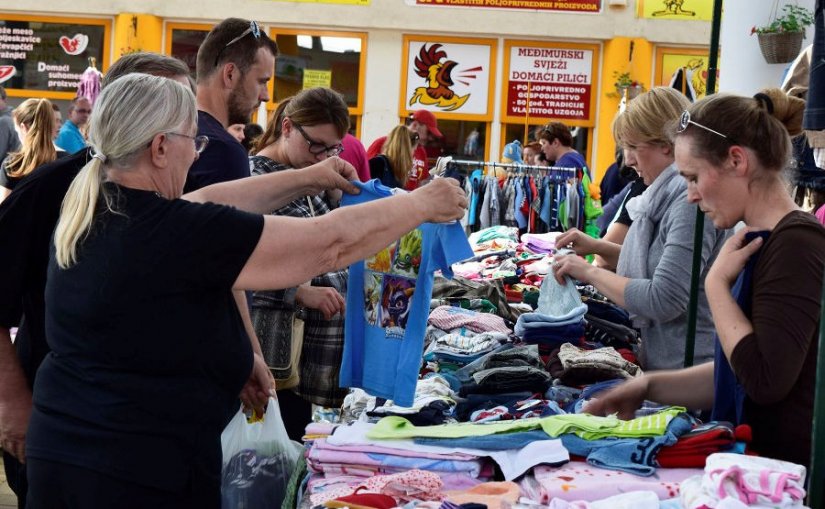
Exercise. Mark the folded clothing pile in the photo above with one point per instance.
(734, 481)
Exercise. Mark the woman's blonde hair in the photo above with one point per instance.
(37, 147)
(398, 149)
(648, 116)
(128, 114)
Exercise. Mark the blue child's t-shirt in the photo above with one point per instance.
(388, 302)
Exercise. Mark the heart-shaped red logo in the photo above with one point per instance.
(6, 72)
(74, 46)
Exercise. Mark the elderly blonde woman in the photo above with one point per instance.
(653, 265)
(149, 351)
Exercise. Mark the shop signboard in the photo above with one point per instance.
(550, 81)
(47, 58)
(449, 76)
(685, 69)
(690, 10)
(577, 6)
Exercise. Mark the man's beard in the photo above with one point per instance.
(237, 114)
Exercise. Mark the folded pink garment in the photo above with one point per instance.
(322, 444)
(577, 480)
(319, 428)
(318, 458)
(410, 485)
(326, 487)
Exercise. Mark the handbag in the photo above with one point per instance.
(281, 334)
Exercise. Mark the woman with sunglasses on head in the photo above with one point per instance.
(765, 286)
(653, 264)
(35, 122)
(392, 166)
(305, 129)
(148, 349)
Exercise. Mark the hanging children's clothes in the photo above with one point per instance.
(388, 302)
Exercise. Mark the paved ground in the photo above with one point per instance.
(7, 498)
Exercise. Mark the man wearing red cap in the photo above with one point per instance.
(425, 124)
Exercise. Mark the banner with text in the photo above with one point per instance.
(554, 82)
(44, 56)
(594, 6)
(448, 77)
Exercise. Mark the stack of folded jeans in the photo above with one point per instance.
(507, 369)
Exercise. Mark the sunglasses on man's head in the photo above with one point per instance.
(253, 29)
(685, 121)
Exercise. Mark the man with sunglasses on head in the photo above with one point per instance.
(69, 138)
(234, 65)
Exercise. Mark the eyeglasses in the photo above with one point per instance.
(317, 148)
(82, 111)
(253, 29)
(200, 141)
(685, 121)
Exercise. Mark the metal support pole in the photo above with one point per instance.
(693, 303)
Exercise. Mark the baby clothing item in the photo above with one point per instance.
(694, 447)
(413, 484)
(388, 299)
(560, 301)
(579, 481)
(491, 494)
(630, 500)
(449, 318)
(362, 501)
(589, 427)
(733, 481)
(576, 366)
(637, 456)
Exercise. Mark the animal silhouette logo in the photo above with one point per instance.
(436, 68)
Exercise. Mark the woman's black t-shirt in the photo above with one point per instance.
(148, 351)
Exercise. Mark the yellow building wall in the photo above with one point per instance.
(617, 60)
(137, 32)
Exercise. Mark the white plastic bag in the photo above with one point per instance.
(258, 459)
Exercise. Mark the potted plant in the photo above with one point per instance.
(781, 40)
(627, 86)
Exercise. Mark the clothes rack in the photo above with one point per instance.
(571, 172)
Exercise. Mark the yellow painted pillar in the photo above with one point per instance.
(617, 60)
(137, 32)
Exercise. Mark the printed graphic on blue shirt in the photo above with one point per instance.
(388, 303)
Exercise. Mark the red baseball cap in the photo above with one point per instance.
(428, 119)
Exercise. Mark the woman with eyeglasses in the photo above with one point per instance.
(392, 166)
(148, 349)
(35, 123)
(765, 286)
(305, 129)
(653, 264)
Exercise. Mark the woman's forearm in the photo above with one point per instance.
(691, 388)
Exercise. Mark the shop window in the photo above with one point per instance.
(463, 139)
(529, 133)
(308, 60)
(183, 42)
(46, 57)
